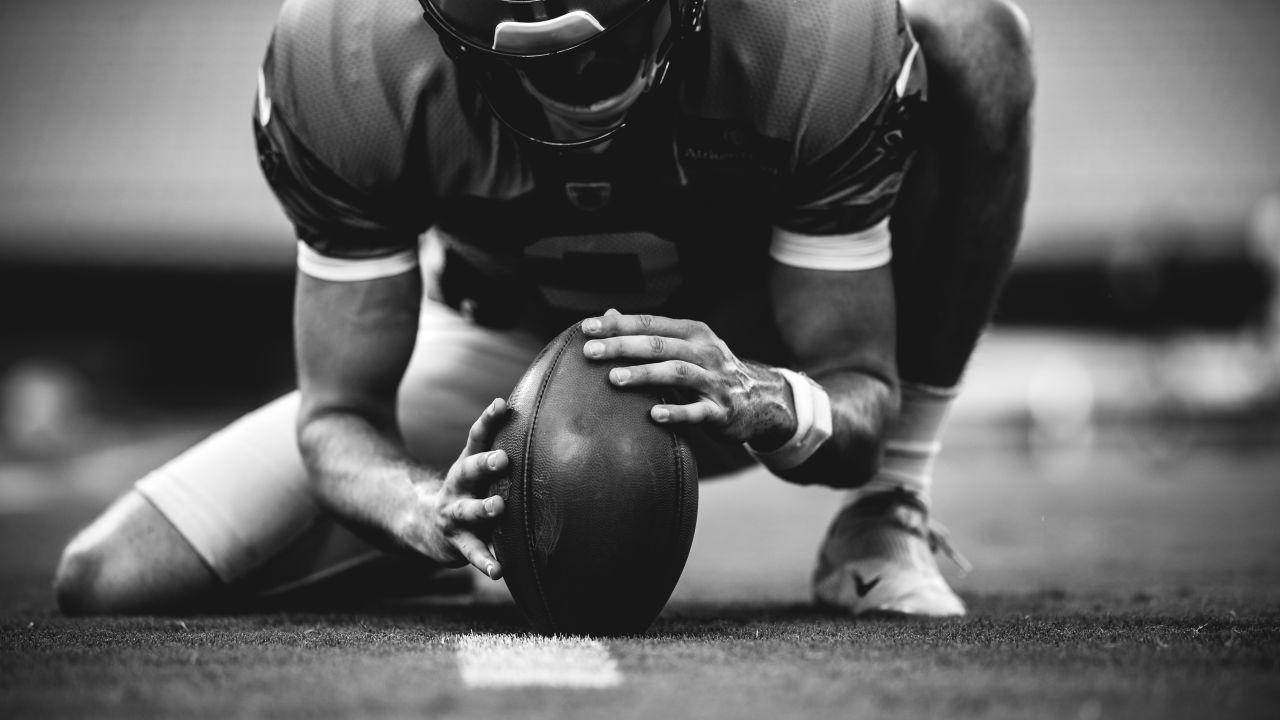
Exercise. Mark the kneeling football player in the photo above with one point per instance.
(798, 215)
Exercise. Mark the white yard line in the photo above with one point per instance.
(506, 661)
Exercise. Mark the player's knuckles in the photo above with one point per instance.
(710, 411)
(469, 511)
(452, 509)
(686, 414)
(482, 464)
(711, 355)
(720, 354)
(699, 329)
(670, 372)
(472, 549)
(673, 370)
(626, 346)
(697, 412)
(448, 526)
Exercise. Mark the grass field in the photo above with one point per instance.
(1129, 570)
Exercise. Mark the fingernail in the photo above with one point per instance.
(488, 505)
(488, 570)
(493, 460)
(661, 414)
(594, 349)
(591, 325)
(620, 375)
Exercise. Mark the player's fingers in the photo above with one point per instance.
(646, 347)
(477, 553)
(616, 324)
(477, 472)
(470, 511)
(676, 373)
(483, 430)
(699, 412)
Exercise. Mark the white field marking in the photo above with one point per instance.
(505, 661)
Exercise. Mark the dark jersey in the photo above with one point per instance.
(791, 116)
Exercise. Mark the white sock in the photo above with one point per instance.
(911, 444)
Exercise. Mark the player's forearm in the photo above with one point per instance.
(841, 329)
(860, 406)
(353, 342)
(361, 473)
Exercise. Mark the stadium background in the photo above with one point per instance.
(138, 242)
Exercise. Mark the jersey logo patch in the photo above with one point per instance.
(589, 196)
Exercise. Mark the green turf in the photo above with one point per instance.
(1122, 583)
(1048, 655)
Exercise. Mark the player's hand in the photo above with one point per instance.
(458, 513)
(735, 400)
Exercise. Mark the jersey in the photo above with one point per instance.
(783, 130)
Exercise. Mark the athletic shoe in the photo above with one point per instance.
(878, 557)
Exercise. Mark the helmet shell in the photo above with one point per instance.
(473, 21)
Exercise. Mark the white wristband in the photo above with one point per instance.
(813, 424)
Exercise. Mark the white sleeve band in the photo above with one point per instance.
(904, 77)
(870, 248)
(813, 424)
(322, 267)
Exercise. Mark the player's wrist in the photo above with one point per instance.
(414, 524)
(812, 426)
(772, 408)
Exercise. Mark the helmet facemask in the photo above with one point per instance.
(568, 81)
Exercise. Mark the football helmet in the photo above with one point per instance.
(563, 73)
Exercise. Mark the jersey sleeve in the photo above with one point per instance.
(838, 215)
(846, 183)
(329, 215)
(838, 84)
(333, 158)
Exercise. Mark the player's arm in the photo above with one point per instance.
(822, 419)
(358, 293)
(839, 326)
(353, 341)
(820, 423)
(332, 159)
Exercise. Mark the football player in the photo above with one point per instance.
(799, 215)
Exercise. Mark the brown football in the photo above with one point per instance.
(601, 501)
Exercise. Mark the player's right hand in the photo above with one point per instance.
(458, 514)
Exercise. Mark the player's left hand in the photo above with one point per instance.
(735, 400)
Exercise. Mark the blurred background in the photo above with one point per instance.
(146, 271)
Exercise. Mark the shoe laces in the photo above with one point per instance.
(908, 512)
(939, 538)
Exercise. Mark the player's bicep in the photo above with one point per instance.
(354, 336)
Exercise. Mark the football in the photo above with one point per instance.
(601, 501)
